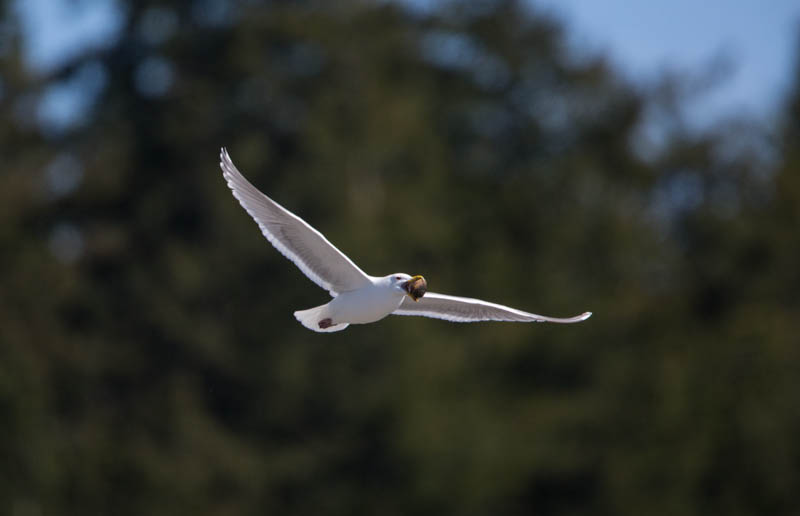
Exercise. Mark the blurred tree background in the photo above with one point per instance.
(149, 360)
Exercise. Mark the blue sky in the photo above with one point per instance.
(757, 38)
(54, 30)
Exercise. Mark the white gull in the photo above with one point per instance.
(358, 298)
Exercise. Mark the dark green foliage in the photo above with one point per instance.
(149, 360)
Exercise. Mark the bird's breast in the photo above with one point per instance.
(365, 305)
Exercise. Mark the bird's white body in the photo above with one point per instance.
(365, 305)
(357, 297)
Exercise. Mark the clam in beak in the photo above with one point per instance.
(416, 287)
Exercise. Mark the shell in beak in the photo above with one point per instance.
(416, 287)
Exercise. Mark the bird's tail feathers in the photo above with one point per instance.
(319, 319)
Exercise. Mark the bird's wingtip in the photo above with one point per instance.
(225, 162)
(585, 315)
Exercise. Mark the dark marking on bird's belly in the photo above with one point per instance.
(326, 323)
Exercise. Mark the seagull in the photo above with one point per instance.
(358, 298)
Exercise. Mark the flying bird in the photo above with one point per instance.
(358, 298)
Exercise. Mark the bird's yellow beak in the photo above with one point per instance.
(416, 287)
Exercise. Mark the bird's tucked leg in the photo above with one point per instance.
(326, 323)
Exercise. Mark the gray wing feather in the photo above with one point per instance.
(293, 237)
(465, 309)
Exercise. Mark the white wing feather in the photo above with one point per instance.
(465, 309)
(293, 237)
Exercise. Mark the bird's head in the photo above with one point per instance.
(414, 286)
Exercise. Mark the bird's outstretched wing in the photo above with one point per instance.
(293, 237)
(465, 309)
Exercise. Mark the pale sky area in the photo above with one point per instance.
(758, 38)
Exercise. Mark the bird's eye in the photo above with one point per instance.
(398, 278)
